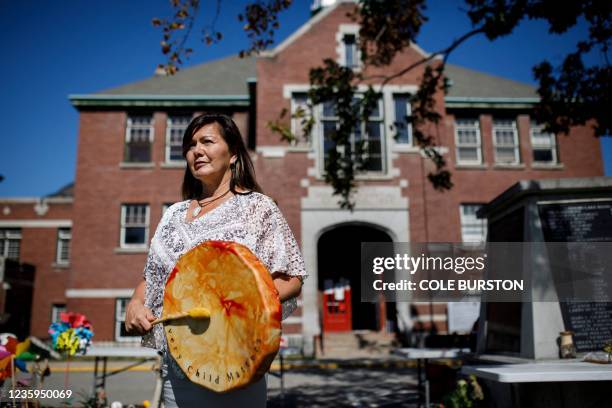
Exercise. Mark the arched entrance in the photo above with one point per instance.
(339, 281)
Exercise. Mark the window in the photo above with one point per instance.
(56, 309)
(138, 139)
(472, 229)
(505, 140)
(468, 141)
(10, 243)
(64, 235)
(175, 128)
(120, 333)
(350, 57)
(403, 111)
(544, 145)
(134, 225)
(300, 113)
(366, 136)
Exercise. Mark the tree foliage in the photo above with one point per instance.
(571, 93)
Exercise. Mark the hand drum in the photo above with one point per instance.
(236, 345)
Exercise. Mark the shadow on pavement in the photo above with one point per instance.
(347, 388)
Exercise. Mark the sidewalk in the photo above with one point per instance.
(308, 383)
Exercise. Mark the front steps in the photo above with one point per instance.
(355, 344)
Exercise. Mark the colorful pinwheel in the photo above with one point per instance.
(72, 334)
(11, 348)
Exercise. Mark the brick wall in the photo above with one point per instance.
(38, 247)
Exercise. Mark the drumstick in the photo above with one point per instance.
(196, 313)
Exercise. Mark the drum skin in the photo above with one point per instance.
(236, 346)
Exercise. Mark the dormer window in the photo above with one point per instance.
(347, 40)
(350, 51)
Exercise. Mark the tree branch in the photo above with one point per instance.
(387, 78)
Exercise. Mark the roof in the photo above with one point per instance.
(471, 88)
(66, 191)
(226, 76)
(220, 83)
(63, 195)
(225, 82)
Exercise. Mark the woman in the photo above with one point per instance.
(222, 202)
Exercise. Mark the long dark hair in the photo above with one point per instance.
(243, 173)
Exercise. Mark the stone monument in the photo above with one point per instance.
(548, 211)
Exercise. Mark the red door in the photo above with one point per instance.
(337, 306)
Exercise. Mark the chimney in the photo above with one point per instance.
(160, 71)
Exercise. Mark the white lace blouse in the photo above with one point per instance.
(252, 219)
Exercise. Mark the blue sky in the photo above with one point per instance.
(55, 48)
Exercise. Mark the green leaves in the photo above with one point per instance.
(333, 85)
(572, 94)
(468, 394)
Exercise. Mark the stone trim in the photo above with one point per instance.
(37, 223)
(99, 293)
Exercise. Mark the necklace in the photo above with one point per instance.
(201, 205)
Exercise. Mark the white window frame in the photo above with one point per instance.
(383, 139)
(123, 226)
(64, 237)
(475, 124)
(469, 221)
(535, 128)
(7, 235)
(128, 135)
(345, 57)
(170, 125)
(56, 309)
(120, 306)
(515, 145)
(296, 123)
(410, 141)
(344, 30)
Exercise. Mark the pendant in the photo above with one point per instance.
(196, 211)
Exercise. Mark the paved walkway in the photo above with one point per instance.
(352, 387)
(321, 383)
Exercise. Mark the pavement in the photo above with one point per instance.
(380, 382)
(345, 387)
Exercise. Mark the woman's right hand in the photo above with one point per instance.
(138, 318)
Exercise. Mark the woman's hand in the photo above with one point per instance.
(288, 286)
(138, 318)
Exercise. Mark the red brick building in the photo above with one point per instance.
(129, 167)
(36, 231)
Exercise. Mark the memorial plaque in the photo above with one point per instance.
(591, 323)
(577, 222)
(587, 221)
